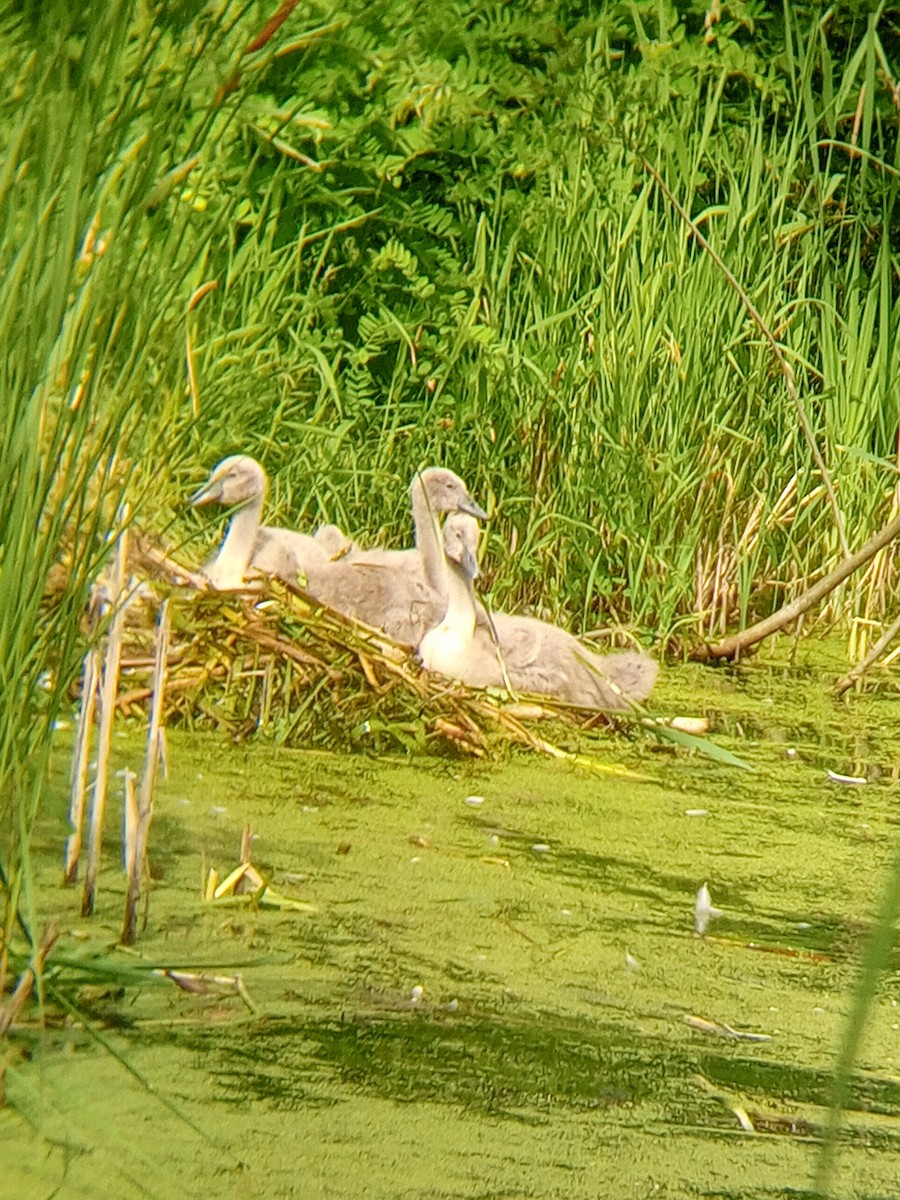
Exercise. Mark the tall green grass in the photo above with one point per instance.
(99, 262)
(543, 322)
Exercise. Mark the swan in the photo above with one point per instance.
(240, 481)
(403, 592)
(334, 541)
(533, 655)
(433, 491)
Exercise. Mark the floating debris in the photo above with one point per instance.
(474, 801)
(696, 812)
(704, 912)
(540, 848)
(246, 885)
(200, 984)
(739, 1035)
(847, 780)
(743, 1119)
(694, 725)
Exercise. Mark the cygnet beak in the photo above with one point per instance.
(469, 562)
(472, 509)
(210, 493)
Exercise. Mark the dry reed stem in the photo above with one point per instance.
(78, 786)
(108, 689)
(847, 681)
(129, 820)
(27, 980)
(151, 759)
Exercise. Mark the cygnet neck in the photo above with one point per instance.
(229, 567)
(460, 616)
(444, 647)
(428, 537)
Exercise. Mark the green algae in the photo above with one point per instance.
(491, 999)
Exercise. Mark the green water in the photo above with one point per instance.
(490, 999)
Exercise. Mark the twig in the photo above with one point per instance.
(732, 647)
(784, 366)
(847, 681)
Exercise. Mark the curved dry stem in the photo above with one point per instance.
(732, 647)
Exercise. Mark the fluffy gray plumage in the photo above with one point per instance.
(537, 657)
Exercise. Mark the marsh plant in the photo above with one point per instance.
(383, 236)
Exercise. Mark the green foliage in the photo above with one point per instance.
(449, 251)
(433, 239)
(100, 113)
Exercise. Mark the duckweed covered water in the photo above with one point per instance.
(494, 999)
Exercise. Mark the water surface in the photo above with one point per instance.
(495, 999)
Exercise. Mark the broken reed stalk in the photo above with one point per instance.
(847, 681)
(733, 647)
(27, 980)
(783, 365)
(129, 819)
(108, 689)
(145, 796)
(78, 786)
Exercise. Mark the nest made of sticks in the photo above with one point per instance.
(272, 659)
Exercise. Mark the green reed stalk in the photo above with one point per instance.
(97, 274)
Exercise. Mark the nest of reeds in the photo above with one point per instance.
(271, 659)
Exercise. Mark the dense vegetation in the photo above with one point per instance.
(391, 235)
(432, 237)
(447, 248)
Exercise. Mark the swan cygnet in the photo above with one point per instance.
(403, 592)
(537, 657)
(334, 541)
(432, 493)
(240, 482)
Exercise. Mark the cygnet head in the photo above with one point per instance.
(446, 492)
(235, 480)
(461, 542)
